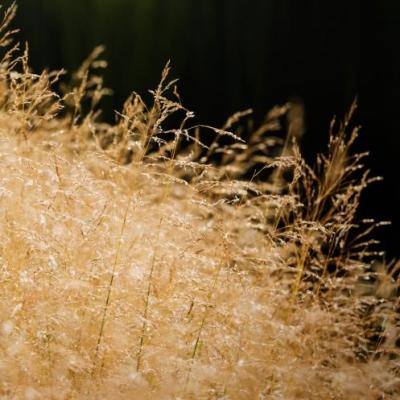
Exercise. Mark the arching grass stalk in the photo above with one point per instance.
(110, 286)
(200, 331)
(146, 307)
(299, 273)
(87, 235)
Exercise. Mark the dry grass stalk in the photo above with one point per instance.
(251, 287)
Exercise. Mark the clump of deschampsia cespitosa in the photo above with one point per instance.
(144, 262)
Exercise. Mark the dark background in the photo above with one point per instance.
(235, 54)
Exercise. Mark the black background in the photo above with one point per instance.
(235, 54)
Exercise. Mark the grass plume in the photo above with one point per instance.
(145, 262)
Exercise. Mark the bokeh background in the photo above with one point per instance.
(235, 54)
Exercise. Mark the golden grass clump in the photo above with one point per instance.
(140, 261)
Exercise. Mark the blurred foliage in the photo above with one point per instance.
(211, 44)
(235, 54)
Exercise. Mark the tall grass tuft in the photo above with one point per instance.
(140, 261)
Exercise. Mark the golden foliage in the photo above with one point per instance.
(140, 262)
